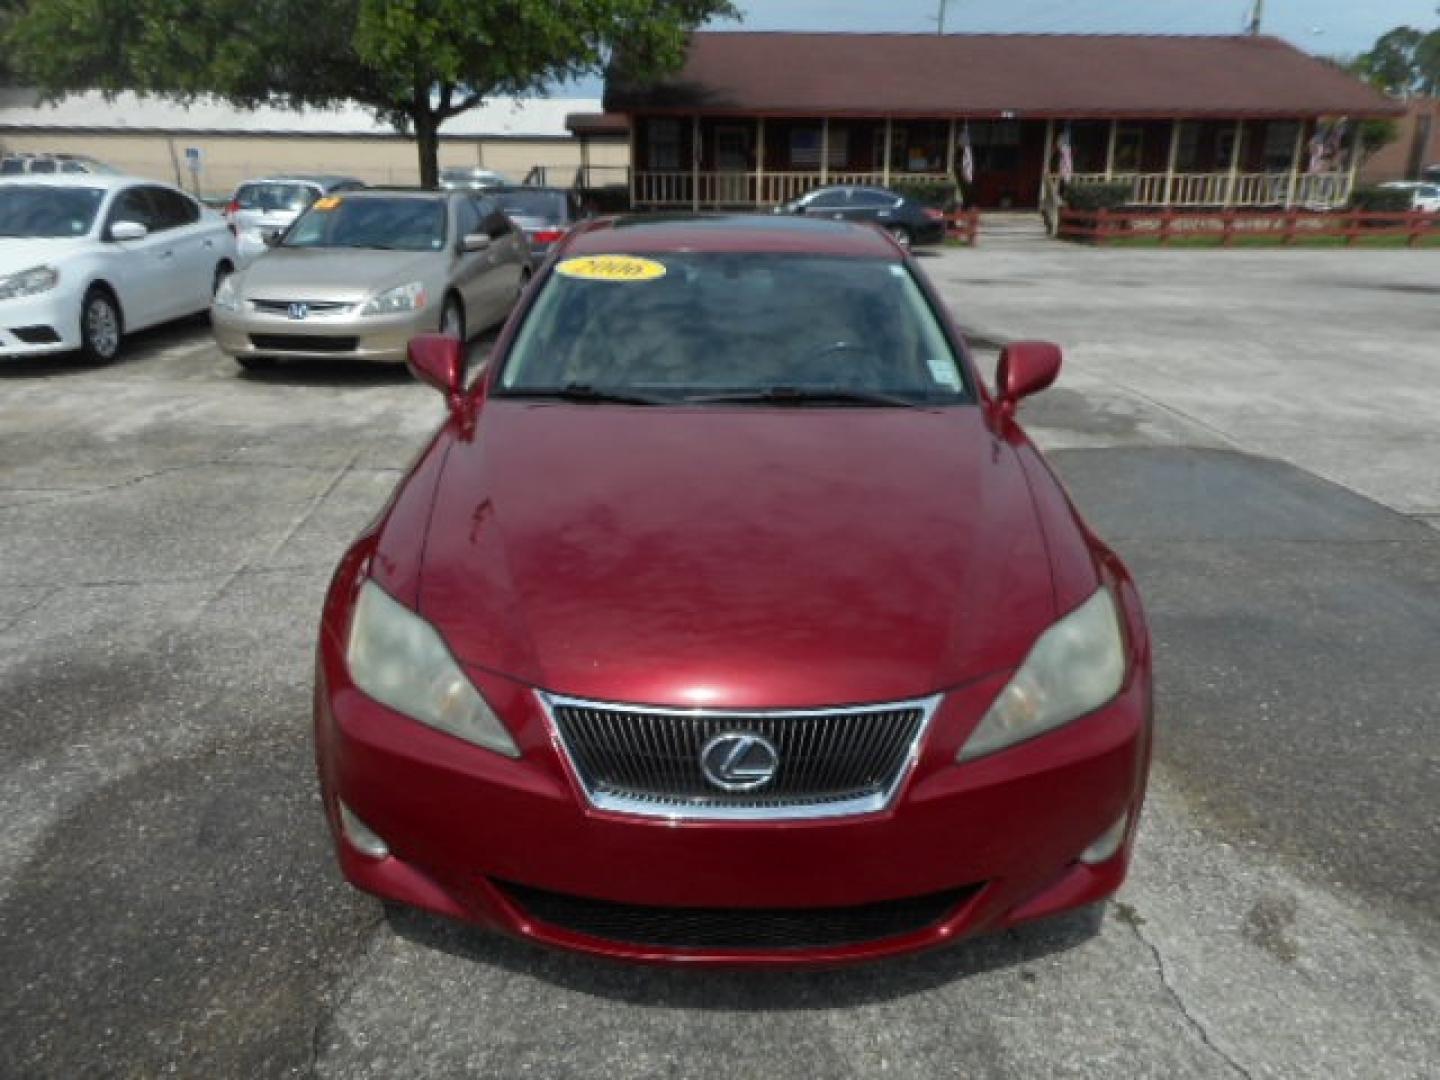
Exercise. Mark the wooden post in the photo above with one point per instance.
(886, 158)
(824, 149)
(1235, 147)
(1171, 160)
(1295, 167)
(1049, 153)
(1291, 220)
(760, 161)
(1167, 216)
(633, 125)
(1354, 159)
(1110, 150)
(695, 162)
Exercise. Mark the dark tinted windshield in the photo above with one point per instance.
(398, 224)
(690, 325)
(274, 196)
(541, 204)
(34, 210)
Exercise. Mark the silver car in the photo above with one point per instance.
(362, 272)
(271, 203)
(470, 178)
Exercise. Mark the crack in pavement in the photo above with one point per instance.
(61, 494)
(324, 1017)
(1194, 1023)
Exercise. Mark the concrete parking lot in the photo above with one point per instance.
(1257, 432)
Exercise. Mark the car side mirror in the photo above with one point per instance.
(271, 237)
(1025, 368)
(439, 361)
(128, 230)
(474, 242)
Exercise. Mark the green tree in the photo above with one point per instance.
(416, 63)
(1403, 61)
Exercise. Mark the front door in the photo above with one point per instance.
(1008, 157)
(732, 163)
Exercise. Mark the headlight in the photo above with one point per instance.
(1075, 666)
(402, 298)
(37, 279)
(399, 659)
(227, 296)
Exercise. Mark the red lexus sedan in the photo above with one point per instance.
(729, 618)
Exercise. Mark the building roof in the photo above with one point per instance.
(1063, 75)
(598, 124)
(22, 110)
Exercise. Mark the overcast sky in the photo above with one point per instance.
(1328, 27)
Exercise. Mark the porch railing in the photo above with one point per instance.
(1222, 189)
(736, 189)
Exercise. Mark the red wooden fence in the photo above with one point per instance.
(1103, 226)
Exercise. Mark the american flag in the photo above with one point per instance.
(967, 156)
(1067, 155)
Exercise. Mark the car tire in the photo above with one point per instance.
(900, 234)
(256, 363)
(101, 327)
(452, 319)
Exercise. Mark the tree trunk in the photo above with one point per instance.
(427, 143)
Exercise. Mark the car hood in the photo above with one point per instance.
(743, 557)
(334, 273)
(17, 253)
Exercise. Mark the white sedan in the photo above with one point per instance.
(85, 259)
(1423, 196)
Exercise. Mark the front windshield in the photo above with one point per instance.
(385, 224)
(677, 327)
(271, 196)
(35, 210)
(539, 204)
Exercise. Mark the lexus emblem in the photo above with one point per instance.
(299, 311)
(735, 761)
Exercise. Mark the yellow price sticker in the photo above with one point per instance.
(611, 268)
(327, 203)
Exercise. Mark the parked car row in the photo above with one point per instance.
(300, 266)
(23, 163)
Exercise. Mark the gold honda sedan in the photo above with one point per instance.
(360, 273)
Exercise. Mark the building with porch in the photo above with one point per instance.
(755, 119)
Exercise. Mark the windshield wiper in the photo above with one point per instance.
(577, 391)
(795, 395)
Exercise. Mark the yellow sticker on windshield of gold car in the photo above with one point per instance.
(611, 268)
(327, 203)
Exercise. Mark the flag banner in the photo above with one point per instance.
(967, 157)
(1067, 155)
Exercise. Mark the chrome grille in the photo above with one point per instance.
(830, 762)
(313, 308)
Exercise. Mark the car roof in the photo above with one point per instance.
(104, 181)
(542, 189)
(749, 233)
(403, 193)
(323, 179)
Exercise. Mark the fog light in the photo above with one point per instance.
(1107, 843)
(361, 835)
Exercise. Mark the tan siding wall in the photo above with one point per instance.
(1393, 162)
(230, 159)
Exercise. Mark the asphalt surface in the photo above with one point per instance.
(168, 904)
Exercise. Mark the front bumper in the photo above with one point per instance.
(381, 338)
(39, 325)
(477, 836)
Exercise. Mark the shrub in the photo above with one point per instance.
(1096, 196)
(942, 194)
(1381, 200)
